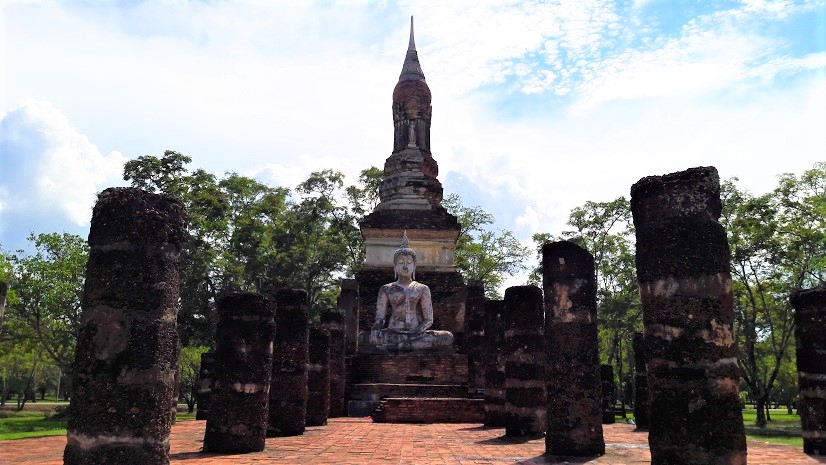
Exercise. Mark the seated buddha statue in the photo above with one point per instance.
(410, 311)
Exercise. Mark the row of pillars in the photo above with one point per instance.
(687, 373)
(270, 374)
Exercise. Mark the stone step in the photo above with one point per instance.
(376, 391)
(429, 410)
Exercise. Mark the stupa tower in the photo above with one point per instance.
(411, 200)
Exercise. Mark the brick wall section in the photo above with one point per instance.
(375, 391)
(525, 401)
(237, 420)
(288, 390)
(640, 383)
(409, 368)
(424, 410)
(333, 322)
(127, 345)
(809, 331)
(447, 290)
(474, 345)
(318, 378)
(206, 379)
(495, 363)
(572, 374)
(686, 295)
(348, 305)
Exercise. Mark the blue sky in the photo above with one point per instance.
(537, 106)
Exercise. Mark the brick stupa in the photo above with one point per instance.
(411, 200)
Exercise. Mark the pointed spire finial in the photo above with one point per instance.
(411, 70)
(412, 45)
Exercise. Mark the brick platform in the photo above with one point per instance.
(350, 441)
(424, 410)
(375, 391)
(409, 369)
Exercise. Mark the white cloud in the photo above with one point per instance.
(51, 172)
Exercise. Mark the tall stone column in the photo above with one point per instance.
(495, 363)
(640, 383)
(206, 380)
(125, 360)
(525, 401)
(333, 322)
(237, 420)
(606, 376)
(686, 295)
(348, 305)
(475, 337)
(809, 331)
(318, 378)
(572, 374)
(288, 390)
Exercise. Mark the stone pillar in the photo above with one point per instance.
(318, 378)
(525, 401)
(206, 380)
(475, 338)
(495, 363)
(348, 305)
(809, 330)
(288, 390)
(606, 376)
(640, 383)
(686, 294)
(333, 322)
(125, 356)
(237, 420)
(572, 373)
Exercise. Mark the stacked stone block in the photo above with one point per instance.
(206, 379)
(810, 339)
(237, 420)
(524, 362)
(333, 322)
(606, 375)
(686, 294)
(288, 390)
(475, 338)
(572, 373)
(495, 363)
(125, 360)
(318, 378)
(348, 305)
(640, 383)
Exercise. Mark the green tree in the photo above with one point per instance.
(189, 365)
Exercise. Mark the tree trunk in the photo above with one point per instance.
(768, 413)
(760, 407)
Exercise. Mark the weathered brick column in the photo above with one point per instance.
(288, 390)
(125, 360)
(237, 420)
(606, 376)
(525, 401)
(333, 322)
(809, 331)
(686, 294)
(495, 363)
(348, 305)
(318, 378)
(206, 380)
(475, 344)
(572, 373)
(640, 383)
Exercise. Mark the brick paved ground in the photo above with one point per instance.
(349, 441)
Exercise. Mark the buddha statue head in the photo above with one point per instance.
(404, 260)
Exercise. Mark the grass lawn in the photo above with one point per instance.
(782, 429)
(32, 424)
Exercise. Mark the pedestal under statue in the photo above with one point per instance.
(411, 312)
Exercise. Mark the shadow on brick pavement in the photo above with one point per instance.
(358, 441)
